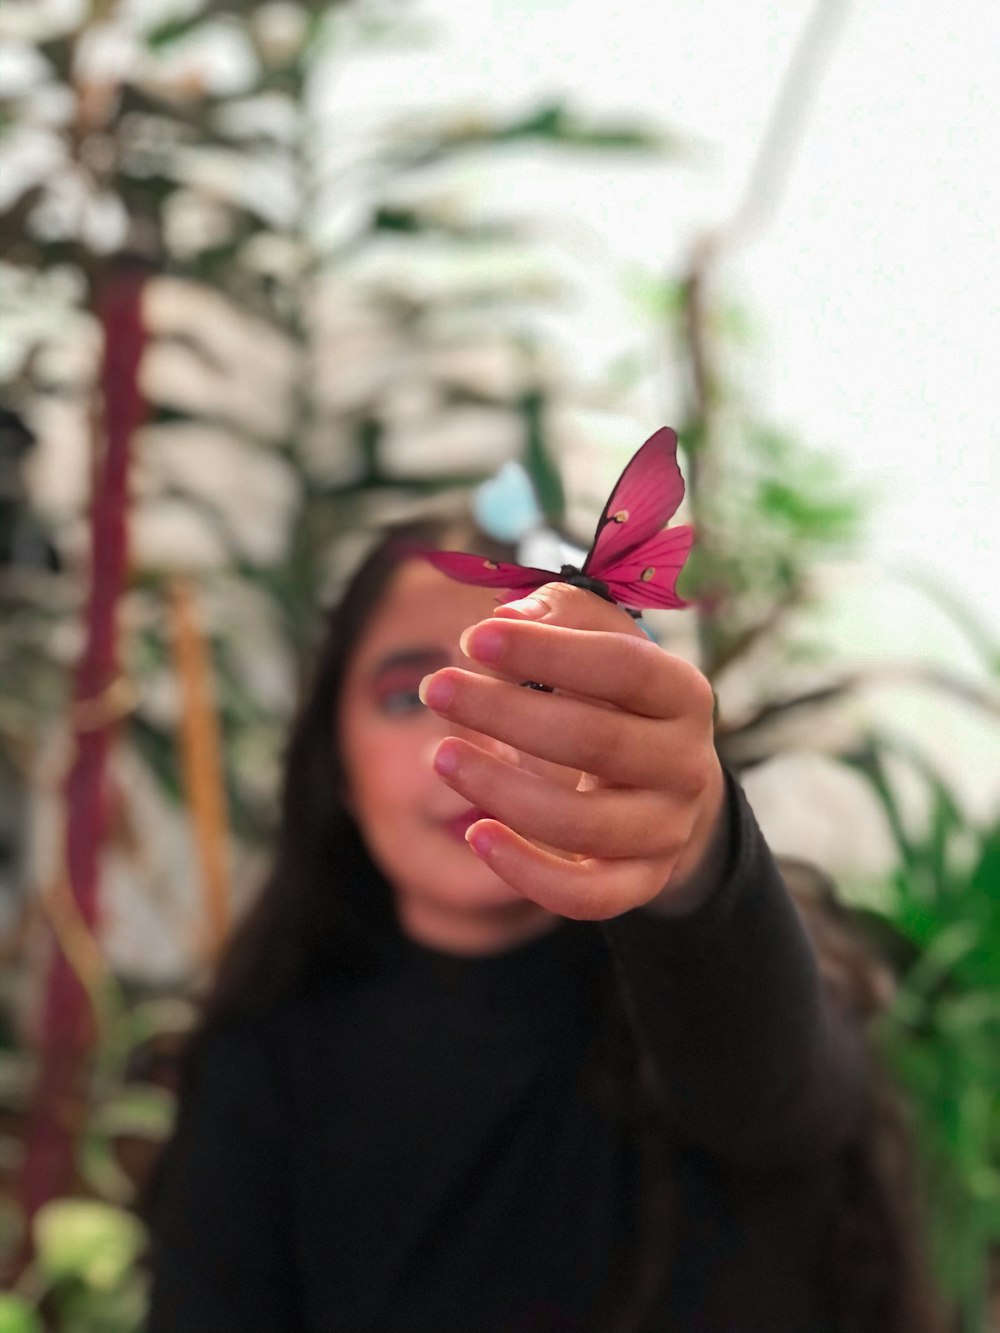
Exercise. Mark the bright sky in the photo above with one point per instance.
(875, 285)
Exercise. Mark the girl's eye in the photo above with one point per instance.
(395, 687)
(399, 702)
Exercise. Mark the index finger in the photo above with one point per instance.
(572, 607)
(631, 673)
(584, 888)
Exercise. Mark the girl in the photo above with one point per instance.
(524, 1032)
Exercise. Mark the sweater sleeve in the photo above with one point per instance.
(750, 1057)
(220, 1248)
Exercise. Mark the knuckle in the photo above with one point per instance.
(557, 592)
(560, 820)
(643, 662)
(575, 604)
(654, 826)
(485, 704)
(576, 607)
(605, 835)
(701, 692)
(662, 835)
(693, 774)
(598, 741)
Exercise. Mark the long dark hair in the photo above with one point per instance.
(325, 911)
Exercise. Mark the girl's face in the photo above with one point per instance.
(412, 823)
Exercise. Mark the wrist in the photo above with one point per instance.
(703, 865)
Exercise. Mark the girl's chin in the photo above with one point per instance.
(483, 890)
(466, 890)
(473, 923)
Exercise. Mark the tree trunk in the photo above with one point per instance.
(67, 1026)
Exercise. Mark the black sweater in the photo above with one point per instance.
(431, 1151)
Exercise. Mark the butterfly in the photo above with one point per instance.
(632, 561)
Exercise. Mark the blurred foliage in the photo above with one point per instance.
(769, 508)
(86, 1276)
(940, 928)
(337, 334)
(771, 513)
(18, 1315)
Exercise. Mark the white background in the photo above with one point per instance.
(874, 285)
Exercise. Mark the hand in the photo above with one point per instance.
(641, 818)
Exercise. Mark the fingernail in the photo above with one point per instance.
(445, 760)
(436, 692)
(483, 643)
(532, 608)
(480, 840)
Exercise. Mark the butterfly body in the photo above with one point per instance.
(633, 561)
(570, 574)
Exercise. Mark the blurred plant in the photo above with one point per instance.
(769, 512)
(767, 508)
(338, 335)
(85, 1273)
(78, 1265)
(328, 335)
(17, 1315)
(940, 927)
(333, 335)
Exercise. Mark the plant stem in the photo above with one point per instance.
(67, 1028)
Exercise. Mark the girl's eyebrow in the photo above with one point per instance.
(427, 659)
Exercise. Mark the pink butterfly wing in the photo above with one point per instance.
(519, 579)
(644, 497)
(647, 576)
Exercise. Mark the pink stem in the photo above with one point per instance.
(67, 1027)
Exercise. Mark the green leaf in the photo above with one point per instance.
(654, 297)
(941, 956)
(737, 321)
(976, 631)
(17, 1316)
(402, 221)
(88, 1240)
(159, 749)
(59, 52)
(985, 874)
(539, 464)
(551, 123)
(555, 122)
(805, 509)
(869, 763)
(691, 438)
(121, 1310)
(164, 35)
(139, 1111)
(102, 1170)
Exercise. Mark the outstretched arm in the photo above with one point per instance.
(754, 1060)
(650, 837)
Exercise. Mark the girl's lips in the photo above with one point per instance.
(458, 826)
